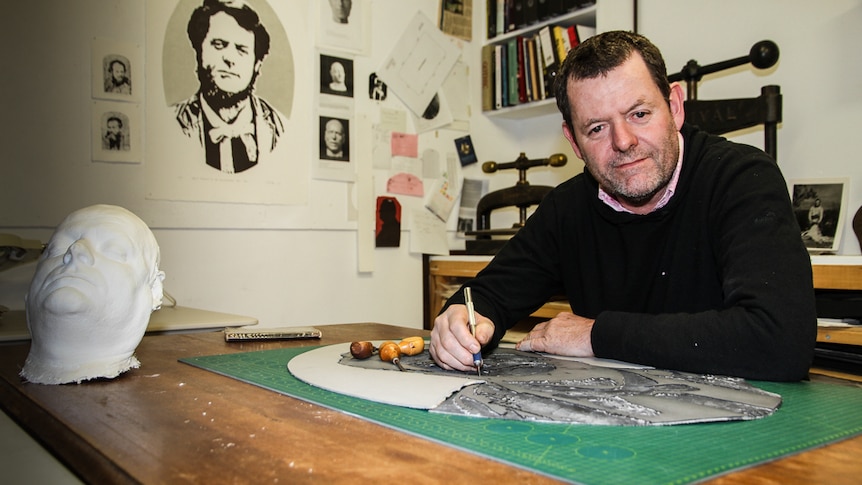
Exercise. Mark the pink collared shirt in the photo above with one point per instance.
(665, 198)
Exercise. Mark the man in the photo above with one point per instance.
(90, 300)
(675, 248)
(340, 10)
(333, 140)
(117, 82)
(113, 139)
(232, 124)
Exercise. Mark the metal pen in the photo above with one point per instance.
(471, 316)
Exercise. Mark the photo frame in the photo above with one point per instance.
(820, 207)
(345, 26)
(336, 75)
(117, 70)
(116, 132)
(335, 157)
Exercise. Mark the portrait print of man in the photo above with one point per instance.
(116, 77)
(233, 125)
(114, 138)
(334, 138)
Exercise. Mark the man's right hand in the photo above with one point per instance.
(452, 345)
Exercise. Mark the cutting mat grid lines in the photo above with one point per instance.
(812, 414)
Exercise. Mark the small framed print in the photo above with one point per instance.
(820, 206)
(116, 132)
(116, 70)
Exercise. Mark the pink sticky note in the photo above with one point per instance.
(405, 145)
(404, 183)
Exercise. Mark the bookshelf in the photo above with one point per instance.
(582, 16)
(585, 16)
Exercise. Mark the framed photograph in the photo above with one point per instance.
(820, 206)
(116, 132)
(344, 25)
(336, 75)
(116, 70)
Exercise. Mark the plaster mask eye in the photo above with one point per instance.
(91, 297)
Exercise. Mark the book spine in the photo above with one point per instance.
(501, 16)
(512, 58)
(550, 60)
(561, 42)
(534, 73)
(498, 85)
(543, 9)
(491, 18)
(522, 75)
(504, 75)
(541, 79)
(530, 13)
(514, 14)
(487, 77)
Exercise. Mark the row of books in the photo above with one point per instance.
(508, 15)
(522, 69)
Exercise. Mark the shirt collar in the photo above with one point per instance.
(665, 198)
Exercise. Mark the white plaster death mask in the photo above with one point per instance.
(91, 297)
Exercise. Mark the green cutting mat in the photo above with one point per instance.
(812, 414)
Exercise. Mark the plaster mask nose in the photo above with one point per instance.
(79, 251)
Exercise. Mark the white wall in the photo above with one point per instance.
(819, 72)
(284, 273)
(297, 275)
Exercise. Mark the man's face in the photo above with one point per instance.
(118, 71)
(336, 71)
(227, 54)
(334, 135)
(113, 127)
(340, 10)
(626, 133)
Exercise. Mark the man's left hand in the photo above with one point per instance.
(566, 334)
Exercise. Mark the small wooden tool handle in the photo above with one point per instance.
(389, 351)
(412, 346)
(361, 350)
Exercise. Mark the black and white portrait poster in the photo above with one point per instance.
(221, 90)
(117, 70)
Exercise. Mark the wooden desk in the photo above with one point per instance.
(169, 422)
(838, 277)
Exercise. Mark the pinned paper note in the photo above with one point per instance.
(405, 183)
(419, 64)
(405, 145)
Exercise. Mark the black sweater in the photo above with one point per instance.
(718, 281)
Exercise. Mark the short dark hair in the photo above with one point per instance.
(115, 118)
(603, 53)
(199, 25)
(116, 61)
